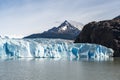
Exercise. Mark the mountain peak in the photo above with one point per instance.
(72, 24)
(66, 30)
(65, 21)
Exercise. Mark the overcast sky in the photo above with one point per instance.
(24, 17)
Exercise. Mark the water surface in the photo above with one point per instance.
(59, 69)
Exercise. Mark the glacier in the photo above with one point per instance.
(51, 48)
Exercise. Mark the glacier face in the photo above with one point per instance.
(50, 48)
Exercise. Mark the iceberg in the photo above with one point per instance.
(50, 48)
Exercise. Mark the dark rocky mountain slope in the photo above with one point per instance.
(106, 33)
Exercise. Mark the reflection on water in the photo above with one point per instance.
(68, 58)
(59, 69)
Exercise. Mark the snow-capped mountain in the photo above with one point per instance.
(67, 30)
(66, 27)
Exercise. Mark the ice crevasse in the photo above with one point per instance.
(45, 48)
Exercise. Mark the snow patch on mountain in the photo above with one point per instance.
(64, 28)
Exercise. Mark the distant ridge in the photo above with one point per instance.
(118, 17)
(66, 30)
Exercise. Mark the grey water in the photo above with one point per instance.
(59, 69)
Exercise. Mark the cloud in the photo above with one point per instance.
(32, 16)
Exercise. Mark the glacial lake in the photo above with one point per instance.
(59, 69)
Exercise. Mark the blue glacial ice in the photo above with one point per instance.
(50, 48)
